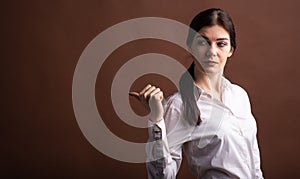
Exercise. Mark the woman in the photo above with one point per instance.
(210, 118)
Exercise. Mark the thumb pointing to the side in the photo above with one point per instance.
(135, 94)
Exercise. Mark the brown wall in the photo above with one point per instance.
(42, 44)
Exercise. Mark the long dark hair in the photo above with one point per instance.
(209, 17)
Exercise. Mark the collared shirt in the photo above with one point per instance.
(223, 145)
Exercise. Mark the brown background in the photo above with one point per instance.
(42, 42)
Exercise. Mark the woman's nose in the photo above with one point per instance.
(211, 51)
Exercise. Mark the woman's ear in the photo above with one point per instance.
(230, 52)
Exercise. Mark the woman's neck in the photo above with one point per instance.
(210, 83)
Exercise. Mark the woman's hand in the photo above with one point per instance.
(151, 97)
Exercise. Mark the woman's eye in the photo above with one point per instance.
(221, 44)
(202, 42)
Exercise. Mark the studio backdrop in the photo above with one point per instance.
(67, 68)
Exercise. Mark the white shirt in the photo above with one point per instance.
(224, 145)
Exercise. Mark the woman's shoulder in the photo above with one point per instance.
(239, 100)
(235, 88)
(174, 100)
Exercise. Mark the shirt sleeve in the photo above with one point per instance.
(162, 163)
(256, 154)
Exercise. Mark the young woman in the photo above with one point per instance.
(209, 118)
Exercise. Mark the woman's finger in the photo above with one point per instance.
(135, 94)
(145, 89)
(149, 90)
(158, 95)
(154, 92)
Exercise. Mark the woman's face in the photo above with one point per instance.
(211, 47)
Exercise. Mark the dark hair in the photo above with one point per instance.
(209, 17)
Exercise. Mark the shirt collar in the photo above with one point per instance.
(225, 84)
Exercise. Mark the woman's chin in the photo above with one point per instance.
(211, 71)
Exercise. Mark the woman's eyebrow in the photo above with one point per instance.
(224, 38)
(218, 39)
(202, 36)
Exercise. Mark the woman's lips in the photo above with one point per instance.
(211, 62)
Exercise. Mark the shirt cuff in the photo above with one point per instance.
(157, 131)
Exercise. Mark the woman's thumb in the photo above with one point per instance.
(134, 94)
